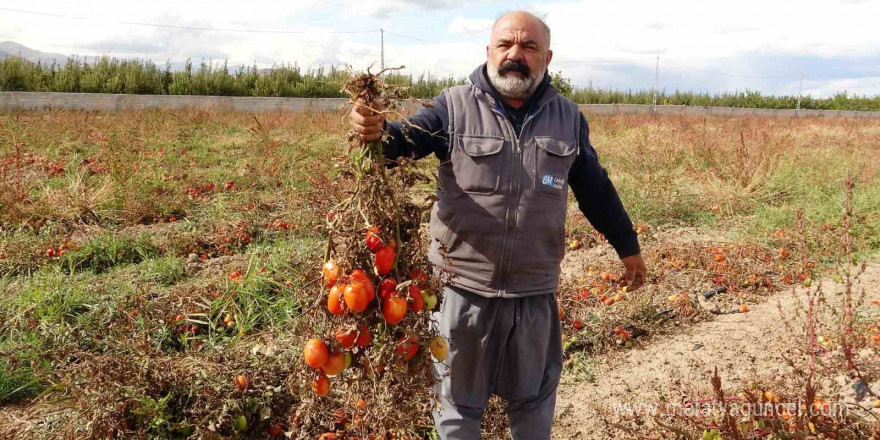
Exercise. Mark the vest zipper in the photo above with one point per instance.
(509, 242)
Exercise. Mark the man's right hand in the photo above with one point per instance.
(366, 122)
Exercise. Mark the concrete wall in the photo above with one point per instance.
(15, 101)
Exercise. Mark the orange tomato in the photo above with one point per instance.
(335, 364)
(241, 381)
(321, 385)
(331, 273)
(394, 310)
(360, 277)
(356, 298)
(335, 302)
(384, 260)
(316, 353)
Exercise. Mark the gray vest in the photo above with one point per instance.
(498, 226)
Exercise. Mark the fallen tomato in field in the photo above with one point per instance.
(275, 430)
(394, 310)
(408, 347)
(241, 381)
(574, 245)
(335, 364)
(372, 240)
(346, 338)
(321, 385)
(417, 302)
(240, 424)
(316, 353)
(438, 348)
(606, 276)
(384, 260)
(335, 301)
(364, 338)
(719, 257)
(387, 288)
(356, 298)
(577, 324)
(328, 436)
(330, 272)
(743, 308)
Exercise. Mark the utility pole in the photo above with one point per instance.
(382, 45)
(800, 91)
(656, 81)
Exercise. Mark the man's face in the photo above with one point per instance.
(517, 55)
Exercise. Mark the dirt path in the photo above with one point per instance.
(741, 346)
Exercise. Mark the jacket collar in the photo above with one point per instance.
(543, 94)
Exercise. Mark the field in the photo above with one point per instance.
(126, 239)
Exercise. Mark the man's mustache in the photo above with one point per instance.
(515, 66)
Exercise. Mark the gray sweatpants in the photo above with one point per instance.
(511, 347)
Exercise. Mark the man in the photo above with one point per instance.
(509, 147)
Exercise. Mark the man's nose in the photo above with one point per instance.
(515, 53)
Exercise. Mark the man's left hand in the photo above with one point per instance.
(636, 272)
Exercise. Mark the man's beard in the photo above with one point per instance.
(515, 86)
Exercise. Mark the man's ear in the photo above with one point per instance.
(549, 57)
(487, 52)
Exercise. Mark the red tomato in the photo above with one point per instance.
(417, 302)
(384, 260)
(373, 242)
(408, 347)
(364, 337)
(387, 288)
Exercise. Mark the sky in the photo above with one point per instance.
(771, 46)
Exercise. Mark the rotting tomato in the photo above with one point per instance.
(384, 260)
(275, 430)
(331, 273)
(394, 310)
(241, 381)
(408, 347)
(364, 337)
(356, 297)
(316, 353)
(438, 348)
(335, 301)
(346, 338)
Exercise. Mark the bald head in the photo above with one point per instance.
(522, 20)
(518, 55)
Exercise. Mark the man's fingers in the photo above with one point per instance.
(369, 137)
(366, 110)
(630, 277)
(366, 129)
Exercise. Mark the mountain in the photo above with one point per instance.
(11, 48)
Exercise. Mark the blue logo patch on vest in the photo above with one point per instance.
(553, 182)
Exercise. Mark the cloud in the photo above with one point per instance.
(385, 8)
(464, 25)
